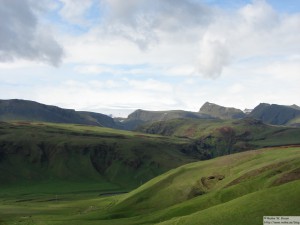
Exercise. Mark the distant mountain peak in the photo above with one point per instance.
(247, 111)
(221, 112)
(276, 114)
(294, 106)
(18, 109)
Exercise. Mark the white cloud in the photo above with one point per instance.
(181, 70)
(283, 70)
(255, 31)
(92, 69)
(259, 15)
(214, 55)
(74, 11)
(94, 95)
(150, 85)
(175, 36)
(236, 89)
(21, 36)
(143, 21)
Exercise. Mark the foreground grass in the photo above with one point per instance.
(235, 189)
(248, 209)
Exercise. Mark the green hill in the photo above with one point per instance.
(35, 152)
(235, 189)
(295, 122)
(151, 116)
(221, 111)
(140, 117)
(24, 110)
(223, 187)
(217, 137)
(41, 152)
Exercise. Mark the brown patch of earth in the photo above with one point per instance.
(210, 181)
(288, 177)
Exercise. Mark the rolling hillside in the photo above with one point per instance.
(42, 152)
(140, 117)
(235, 189)
(217, 137)
(221, 189)
(34, 152)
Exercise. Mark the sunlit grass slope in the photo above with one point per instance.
(235, 189)
(208, 183)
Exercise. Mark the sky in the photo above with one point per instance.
(116, 56)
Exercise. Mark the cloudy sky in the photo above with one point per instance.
(115, 56)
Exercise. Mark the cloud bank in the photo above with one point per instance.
(145, 22)
(184, 33)
(21, 37)
(255, 31)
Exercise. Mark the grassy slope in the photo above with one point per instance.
(239, 135)
(235, 189)
(295, 122)
(195, 128)
(140, 117)
(247, 210)
(185, 182)
(43, 154)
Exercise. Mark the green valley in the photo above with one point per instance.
(235, 189)
(168, 172)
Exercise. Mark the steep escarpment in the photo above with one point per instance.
(37, 151)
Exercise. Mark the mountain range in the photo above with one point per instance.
(14, 110)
